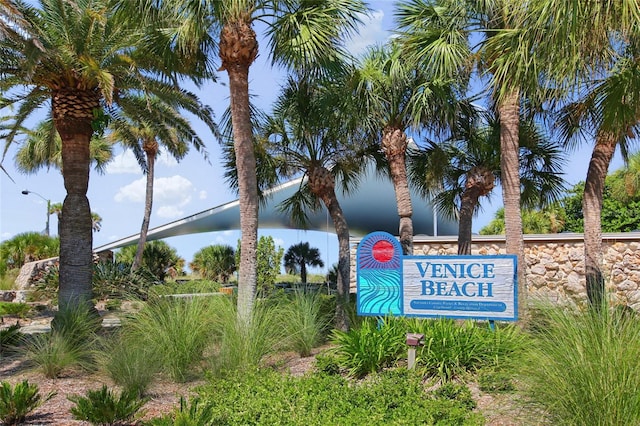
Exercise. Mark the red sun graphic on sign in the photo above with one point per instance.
(382, 251)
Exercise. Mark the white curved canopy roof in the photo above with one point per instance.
(372, 207)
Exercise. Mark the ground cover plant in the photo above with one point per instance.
(266, 397)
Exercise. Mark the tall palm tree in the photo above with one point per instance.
(396, 96)
(300, 34)
(596, 64)
(611, 110)
(458, 172)
(298, 256)
(148, 123)
(311, 133)
(453, 38)
(76, 59)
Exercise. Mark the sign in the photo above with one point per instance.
(478, 287)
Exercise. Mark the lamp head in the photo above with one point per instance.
(25, 192)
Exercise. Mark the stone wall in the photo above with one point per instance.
(554, 263)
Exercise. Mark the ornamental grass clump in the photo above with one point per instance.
(177, 330)
(129, 362)
(242, 345)
(70, 343)
(304, 321)
(584, 368)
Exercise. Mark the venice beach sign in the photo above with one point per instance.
(388, 283)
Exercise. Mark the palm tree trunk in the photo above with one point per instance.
(394, 145)
(238, 50)
(247, 188)
(76, 236)
(344, 258)
(592, 210)
(303, 272)
(468, 203)
(509, 113)
(148, 205)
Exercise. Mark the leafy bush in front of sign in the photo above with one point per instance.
(266, 397)
(375, 344)
(452, 348)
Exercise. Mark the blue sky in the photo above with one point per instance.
(194, 185)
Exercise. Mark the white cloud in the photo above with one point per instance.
(124, 162)
(202, 195)
(170, 194)
(134, 192)
(5, 236)
(370, 32)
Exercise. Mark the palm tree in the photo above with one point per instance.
(458, 172)
(300, 34)
(311, 133)
(609, 111)
(298, 256)
(215, 262)
(596, 64)
(76, 59)
(397, 96)
(439, 33)
(147, 123)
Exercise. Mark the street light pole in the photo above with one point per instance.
(27, 192)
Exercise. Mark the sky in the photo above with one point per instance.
(195, 184)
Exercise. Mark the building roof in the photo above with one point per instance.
(372, 207)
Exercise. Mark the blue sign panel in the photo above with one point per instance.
(480, 287)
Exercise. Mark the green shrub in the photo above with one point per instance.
(327, 363)
(116, 280)
(103, 407)
(266, 397)
(457, 392)
(18, 401)
(304, 321)
(10, 338)
(583, 368)
(452, 348)
(17, 309)
(370, 347)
